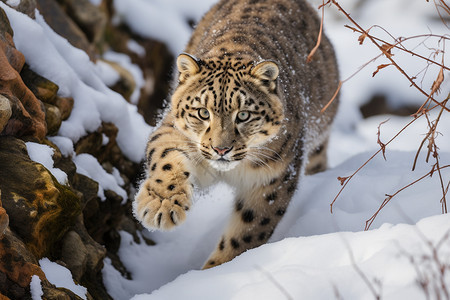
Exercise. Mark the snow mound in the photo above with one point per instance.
(308, 230)
(323, 267)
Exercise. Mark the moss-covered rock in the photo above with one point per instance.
(44, 89)
(40, 209)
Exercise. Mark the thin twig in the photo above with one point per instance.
(385, 49)
(346, 180)
(389, 197)
(319, 37)
(406, 50)
(332, 98)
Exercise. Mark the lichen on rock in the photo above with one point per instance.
(40, 209)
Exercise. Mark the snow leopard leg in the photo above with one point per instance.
(256, 213)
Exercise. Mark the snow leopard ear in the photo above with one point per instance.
(266, 70)
(187, 65)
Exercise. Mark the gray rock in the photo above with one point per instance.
(5, 111)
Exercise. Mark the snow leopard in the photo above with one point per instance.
(245, 110)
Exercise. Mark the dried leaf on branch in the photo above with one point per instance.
(362, 37)
(382, 66)
(435, 88)
(386, 48)
(342, 179)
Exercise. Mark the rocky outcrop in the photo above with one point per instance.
(40, 209)
(17, 269)
(39, 216)
(59, 21)
(26, 113)
(156, 64)
(91, 19)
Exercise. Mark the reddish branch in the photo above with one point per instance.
(404, 39)
(345, 180)
(386, 50)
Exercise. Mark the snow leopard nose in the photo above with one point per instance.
(222, 150)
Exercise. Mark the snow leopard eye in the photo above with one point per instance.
(203, 113)
(243, 116)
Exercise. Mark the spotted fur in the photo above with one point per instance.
(246, 111)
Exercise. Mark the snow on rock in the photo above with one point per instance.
(89, 166)
(61, 277)
(52, 56)
(134, 46)
(36, 288)
(96, 2)
(13, 3)
(107, 73)
(43, 155)
(135, 71)
(113, 280)
(64, 144)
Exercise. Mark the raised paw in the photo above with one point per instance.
(156, 212)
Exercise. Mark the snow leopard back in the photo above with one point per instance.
(282, 31)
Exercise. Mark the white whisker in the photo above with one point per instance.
(255, 159)
(278, 157)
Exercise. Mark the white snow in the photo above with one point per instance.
(312, 254)
(317, 267)
(163, 20)
(89, 166)
(401, 18)
(187, 247)
(61, 277)
(363, 137)
(107, 73)
(13, 3)
(36, 288)
(64, 144)
(43, 155)
(105, 139)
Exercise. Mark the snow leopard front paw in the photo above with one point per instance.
(157, 211)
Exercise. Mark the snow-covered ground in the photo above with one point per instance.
(313, 254)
